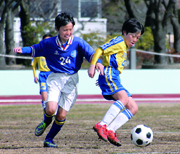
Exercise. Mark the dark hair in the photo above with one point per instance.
(63, 19)
(46, 35)
(132, 25)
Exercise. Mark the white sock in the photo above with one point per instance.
(120, 120)
(113, 111)
(43, 104)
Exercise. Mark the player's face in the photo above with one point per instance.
(47, 37)
(65, 32)
(131, 38)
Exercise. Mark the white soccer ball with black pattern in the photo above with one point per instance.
(141, 135)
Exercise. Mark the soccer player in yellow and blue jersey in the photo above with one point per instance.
(40, 64)
(114, 53)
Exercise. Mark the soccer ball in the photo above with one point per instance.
(141, 135)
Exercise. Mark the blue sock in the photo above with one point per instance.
(47, 118)
(56, 127)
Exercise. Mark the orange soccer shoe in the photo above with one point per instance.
(101, 131)
(112, 138)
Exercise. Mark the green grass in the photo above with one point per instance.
(17, 124)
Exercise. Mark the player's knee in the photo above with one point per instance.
(50, 111)
(51, 107)
(132, 106)
(61, 117)
(135, 109)
(125, 100)
(44, 96)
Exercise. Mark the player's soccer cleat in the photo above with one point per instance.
(50, 144)
(101, 131)
(113, 138)
(40, 129)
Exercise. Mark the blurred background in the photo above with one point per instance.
(24, 22)
(153, 63)
(151, 73)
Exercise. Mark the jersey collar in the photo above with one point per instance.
(69, 41)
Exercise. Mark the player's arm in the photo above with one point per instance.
(34, 64)
(35, 50)
(34, 73)
(96, 56)
(24, 50)
(95, 59)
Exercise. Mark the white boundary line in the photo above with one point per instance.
(137, 50)
(155, 53)
(14, 56)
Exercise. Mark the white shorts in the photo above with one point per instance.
(62, 88)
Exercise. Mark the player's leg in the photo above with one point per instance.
(43, 88)
(112, 89)
(51, 106)
(115, 108)
(111, 114)
(49, 111)
(56, 127)
(66, 102)
(120, 103)
(44, 95)
(44, 98)
(122, 118)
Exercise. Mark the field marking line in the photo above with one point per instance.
(91, 100)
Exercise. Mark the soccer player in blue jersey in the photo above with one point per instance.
(114, 53)
(40, 64)
(64, 55)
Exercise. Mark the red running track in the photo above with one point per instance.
(89, 99)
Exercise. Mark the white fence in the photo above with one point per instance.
(137, 81)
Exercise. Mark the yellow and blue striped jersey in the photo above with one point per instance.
(114, 53)
(40, 64)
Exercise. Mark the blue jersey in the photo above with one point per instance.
(62, 59)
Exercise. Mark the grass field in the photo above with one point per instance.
(17, 124)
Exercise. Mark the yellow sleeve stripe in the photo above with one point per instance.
(108, 71)
(96, 56)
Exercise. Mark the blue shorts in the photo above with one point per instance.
(110, 83)
(42, 81)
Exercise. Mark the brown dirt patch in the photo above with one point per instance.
(17, 126)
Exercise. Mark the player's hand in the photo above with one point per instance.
(91, 71)
(36, 80)
(100, 67)
(17, 50)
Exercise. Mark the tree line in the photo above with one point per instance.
(159, 17)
